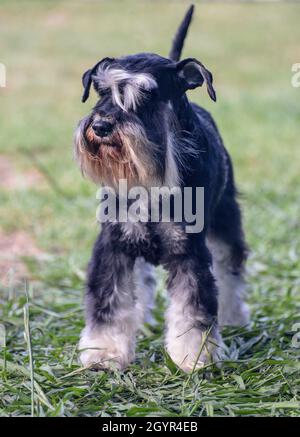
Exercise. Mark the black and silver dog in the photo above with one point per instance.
(145, 130)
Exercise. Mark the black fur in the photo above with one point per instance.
(180, 36)
(210, 167)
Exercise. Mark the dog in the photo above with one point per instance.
(144, 130)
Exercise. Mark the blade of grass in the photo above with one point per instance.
(29, 346)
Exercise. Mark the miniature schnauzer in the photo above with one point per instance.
(145, 130)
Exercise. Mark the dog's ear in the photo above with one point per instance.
(87, 78)
(86, 82)
(193, 73)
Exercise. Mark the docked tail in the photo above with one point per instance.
(181, 33)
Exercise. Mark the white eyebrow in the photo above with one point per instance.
(134, 84)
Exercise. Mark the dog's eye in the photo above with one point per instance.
(149, 94)
(101, 94)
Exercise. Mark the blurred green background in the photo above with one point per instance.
(47, 210)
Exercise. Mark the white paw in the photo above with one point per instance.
(105, 348)
(194, 349)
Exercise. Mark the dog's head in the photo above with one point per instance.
(131, 131)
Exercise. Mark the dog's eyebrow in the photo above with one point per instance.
(133, 85)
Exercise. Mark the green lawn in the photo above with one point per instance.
(46, 46)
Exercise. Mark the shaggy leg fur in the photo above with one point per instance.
(120, 297)
(112, 319)
(233, 311)
(229, 250)
(192, 336)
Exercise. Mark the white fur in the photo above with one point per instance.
(233, 311)
(172, 178)
(135, 232)
(112, 345)
(134, 84)
(189, 346)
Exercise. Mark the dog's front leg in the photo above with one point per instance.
(192, 337)
(108, 340)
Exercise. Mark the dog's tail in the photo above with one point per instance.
(181, 33)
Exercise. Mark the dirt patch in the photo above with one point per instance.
(11, 179)
(13, 247)
(56, 19)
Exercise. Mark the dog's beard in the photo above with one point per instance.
(126, 154)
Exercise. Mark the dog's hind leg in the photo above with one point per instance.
(145, 281)
(233, 311)
(229, 251)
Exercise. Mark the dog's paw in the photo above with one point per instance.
(195, 349)
(103, 348)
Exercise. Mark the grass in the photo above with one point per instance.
(46, 46)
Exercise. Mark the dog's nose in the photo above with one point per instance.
(103, 128)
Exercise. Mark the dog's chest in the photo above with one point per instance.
(153, 241)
